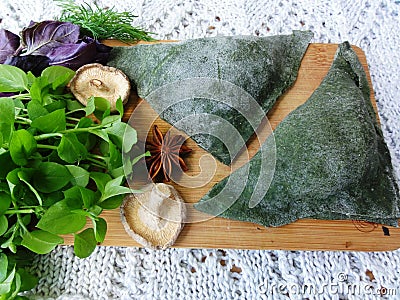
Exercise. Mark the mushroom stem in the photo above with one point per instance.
(98, 84)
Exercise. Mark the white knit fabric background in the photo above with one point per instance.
(133, 273)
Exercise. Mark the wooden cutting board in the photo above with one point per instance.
(217, 232)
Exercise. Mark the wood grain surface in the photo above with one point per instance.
(217, 232)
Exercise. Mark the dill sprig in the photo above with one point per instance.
(103, 23)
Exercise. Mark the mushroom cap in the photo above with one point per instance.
(100, 81)
(155, 217)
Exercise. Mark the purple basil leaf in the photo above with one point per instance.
(41, 38)
(103, 51)
(34, 63)
(7, 94)
(9, 43)
(74, 56)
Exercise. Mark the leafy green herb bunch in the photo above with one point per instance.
(59, 169)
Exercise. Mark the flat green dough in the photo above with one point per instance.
(264, 67)
(331, 159)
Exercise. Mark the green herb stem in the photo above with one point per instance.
(19, 211)
(98, 157)
(21, 223)
(61, 133)
(80, 130)
(21, 97)
(46, 136)
(22, 120)
(74, 111)
(41, 146)
(73, 119)
(97, 163)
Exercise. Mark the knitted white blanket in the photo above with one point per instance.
(132, 273)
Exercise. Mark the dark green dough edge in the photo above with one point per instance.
(332, 161)
(264, 67)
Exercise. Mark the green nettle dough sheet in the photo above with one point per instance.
(331, 159)
(263, 67)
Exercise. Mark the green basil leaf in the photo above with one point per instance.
(86, 139)
(79, 175)
(112, 202)
(3, 224)
(13, 180)
(103, 147)
(21, 193)
(4, 187)
(5, 201)
(28, 281)
(119, 106)
(12, 79)
(106, 113)
(5, 285)
(50, 198)
(129, 139)
(31, 78)
(100, 133)
(101, 104)
(111, 119)
(36, 110)
(58, 76)
(90, 106)
(82, 212)
(100, 229)
(95, 210)
(56, 105)
(81, 195)
(73, 199)
(88, 197)
(19, 106)
(22, 146)
(15, 287)
(40, 241)
(7, 111)
(118, 172)
(7, 165)
(114, 188)
(101, 180)
(74, 105)
(7, 118)
(115, 157)
(50, 177)
(59, 219)
(84, 123)
(52, 122)
(6, 132)
(25, 178)
(84, 243)
(3, 266)
(71, 150)
(10, 245)
(39, 89)
(122, 135)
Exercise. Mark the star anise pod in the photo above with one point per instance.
(166, 152)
